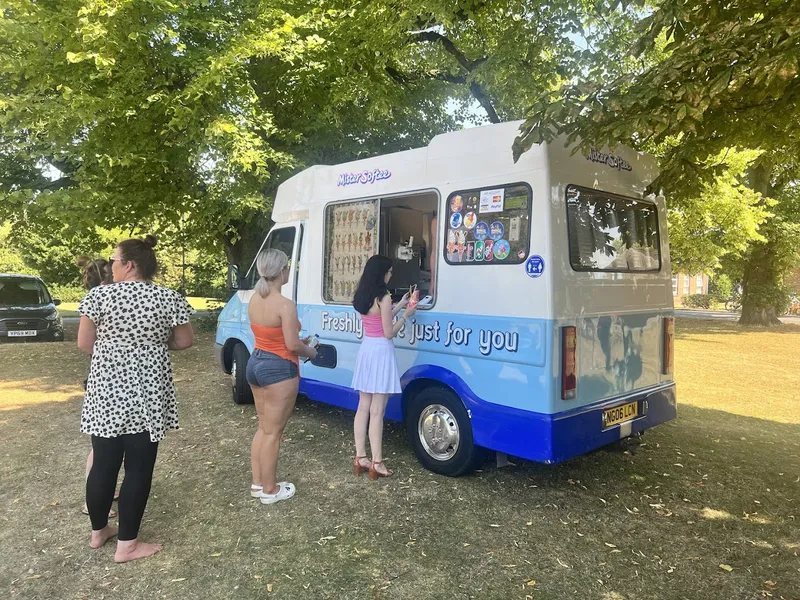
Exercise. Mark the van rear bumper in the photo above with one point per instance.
(561, 436)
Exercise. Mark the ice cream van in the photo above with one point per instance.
(545, 322)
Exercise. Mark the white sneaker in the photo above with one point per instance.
(285, 491)
(255, 491)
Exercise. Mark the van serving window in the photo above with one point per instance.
(611, 233)
(351, 238)
(488, 226)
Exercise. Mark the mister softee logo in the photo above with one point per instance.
(610, 159)
(363, 177)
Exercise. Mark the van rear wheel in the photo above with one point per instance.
(440, 432)
(242, 394)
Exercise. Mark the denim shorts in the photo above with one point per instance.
(265, 368)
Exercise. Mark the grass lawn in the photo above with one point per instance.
(708, 508)
(70, 309)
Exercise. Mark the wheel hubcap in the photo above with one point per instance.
(233, 375)
(438, 432)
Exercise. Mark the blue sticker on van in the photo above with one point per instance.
(481, 231)
(535, 266)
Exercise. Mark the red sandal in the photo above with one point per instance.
(375, 474)
(358, 468)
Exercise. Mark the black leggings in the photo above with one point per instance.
(140, 458)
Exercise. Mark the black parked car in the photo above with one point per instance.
(27, 311)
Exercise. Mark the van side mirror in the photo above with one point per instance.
(56, 301)
(233, 277)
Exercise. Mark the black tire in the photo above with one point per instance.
(242, 394)
(467, 456)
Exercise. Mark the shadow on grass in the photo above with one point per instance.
(685, 328)
(708, 489)
(694, 496)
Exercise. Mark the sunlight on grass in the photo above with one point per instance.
(31, 392)
(716, 515)
(743, 371)
(205, 303)
(70, 309)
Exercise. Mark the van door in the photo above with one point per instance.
(287, 237)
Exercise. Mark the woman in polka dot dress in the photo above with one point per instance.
(129, 328)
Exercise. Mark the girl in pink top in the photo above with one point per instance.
(376, 375)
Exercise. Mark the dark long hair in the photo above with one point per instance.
(95, 272)
(372, 285)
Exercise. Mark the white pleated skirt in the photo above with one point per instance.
(376, 369)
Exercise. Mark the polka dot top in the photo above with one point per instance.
(130, 387)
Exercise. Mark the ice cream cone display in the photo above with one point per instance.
(350, 240)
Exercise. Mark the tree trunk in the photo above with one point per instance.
(241, 250)
(762, 276)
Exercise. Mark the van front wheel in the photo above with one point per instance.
(440, 432)
(242, 394)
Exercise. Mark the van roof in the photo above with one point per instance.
(459, 156)
(19, 276)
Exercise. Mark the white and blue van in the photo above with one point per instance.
(545, 328)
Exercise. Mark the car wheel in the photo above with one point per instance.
(242, 394)
(440, 432)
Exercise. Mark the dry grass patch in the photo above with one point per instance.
(605, 526)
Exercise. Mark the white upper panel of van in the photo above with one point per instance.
(453, 160)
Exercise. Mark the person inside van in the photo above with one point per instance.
(272, 372)
(376, 375)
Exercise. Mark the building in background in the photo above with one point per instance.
(685, 285)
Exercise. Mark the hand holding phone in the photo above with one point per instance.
(414, 296)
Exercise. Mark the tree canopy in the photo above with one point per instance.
(187, 115)
(713, 79)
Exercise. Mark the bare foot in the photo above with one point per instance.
(134, 550)
(100, 537)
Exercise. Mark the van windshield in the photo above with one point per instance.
(611, 233)
(22, 292)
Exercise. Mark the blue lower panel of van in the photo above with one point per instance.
(558, 437)
(530, 435)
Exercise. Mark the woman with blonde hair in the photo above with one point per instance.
(273, 372)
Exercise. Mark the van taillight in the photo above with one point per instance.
(669, 345)
(569, 379)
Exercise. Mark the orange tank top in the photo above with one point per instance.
(270, 339)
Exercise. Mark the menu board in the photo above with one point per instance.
(351, 239)
(488, 226)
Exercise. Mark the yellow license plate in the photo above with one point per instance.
(620, 414)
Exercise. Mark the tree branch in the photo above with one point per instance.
(484, 101)
(468, 65)
(59, 184)
(447, 77)
(450, 47)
